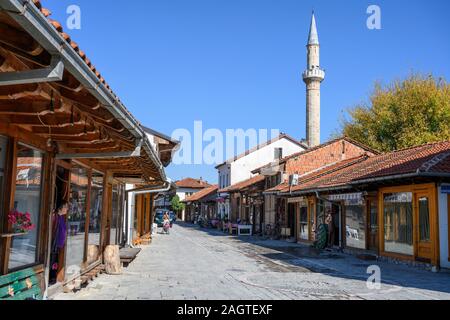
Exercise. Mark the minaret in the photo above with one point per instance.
(313, 77)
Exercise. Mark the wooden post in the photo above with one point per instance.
(50, 200)
(106, 212)
(10, 188)
(112, 260)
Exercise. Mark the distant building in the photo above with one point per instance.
(187, 187)
(240, 168)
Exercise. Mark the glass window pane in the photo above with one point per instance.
(355, 226)
(304, 231)
(76, 218)
(398, 223)
(115, 214)
(27, 199)
(424, 219)
(95, 216)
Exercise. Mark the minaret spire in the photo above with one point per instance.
(313, 77)
(313, 35)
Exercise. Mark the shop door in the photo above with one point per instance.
(423, 206)
(337, 221)
(372, 219)
(292, 212)
(57, 252)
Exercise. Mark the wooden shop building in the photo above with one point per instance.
(65, 137)
(394, 205)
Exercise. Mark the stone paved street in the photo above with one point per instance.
(193, 263)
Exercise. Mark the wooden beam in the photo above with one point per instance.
(20, 90)
(57, 119)
(19, 40)
(54, 72)
(28, 107)
(97, 144)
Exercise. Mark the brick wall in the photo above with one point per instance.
(324, 155)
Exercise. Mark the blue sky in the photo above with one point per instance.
(238, 63)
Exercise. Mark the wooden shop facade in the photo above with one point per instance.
(65, 137)
(393, 205)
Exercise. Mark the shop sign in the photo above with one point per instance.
(399, 197)
(347, 196)
(301, 200)
(350, 199)
(445, 189)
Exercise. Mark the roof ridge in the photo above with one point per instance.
(355, 161)
(350, 140)
(426, 166)
(428, 144)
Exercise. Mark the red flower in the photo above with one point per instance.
(21, 222)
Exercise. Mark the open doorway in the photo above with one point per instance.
(291, 219)
(59, 230)
(335, 212)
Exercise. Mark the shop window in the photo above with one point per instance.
(27, 199)
(77, 218)
(304, 230)
(398, 223)
(355, 226)
(95, 216)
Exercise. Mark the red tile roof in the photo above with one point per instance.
(58, 26)
(328, 143)
(243, 184)
(426, 160)
(202, 194)
(313, 176)
(192, 183)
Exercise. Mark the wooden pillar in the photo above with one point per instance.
(106, 212)
(49, 199)
(10, 188)
(151, 205)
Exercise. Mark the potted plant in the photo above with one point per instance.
(20, 222)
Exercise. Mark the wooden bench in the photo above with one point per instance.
(127, 255)
(21, 285)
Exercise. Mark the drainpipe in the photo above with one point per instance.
(340, 215)
(139, 191)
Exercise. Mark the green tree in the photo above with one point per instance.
(177, 205)
(403, 114)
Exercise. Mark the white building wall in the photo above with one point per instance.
(443, 228)
(182, 194)
(224, 179)
(242, 168)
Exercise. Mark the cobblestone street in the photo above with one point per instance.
(193, 263)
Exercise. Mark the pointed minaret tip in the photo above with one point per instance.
(313, 36)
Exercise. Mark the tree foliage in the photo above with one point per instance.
(403, 114)
(177, 205)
